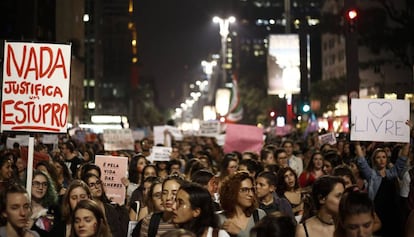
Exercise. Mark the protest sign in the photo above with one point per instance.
(118, 139)
(35, 90)
(243, 138)
(327, 138)
(113, 168)
(160, 153)
(209, 128)
(380, 120)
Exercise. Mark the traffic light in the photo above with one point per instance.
(351, 17)
(305, 107)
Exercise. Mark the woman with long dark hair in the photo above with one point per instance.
(194, 211)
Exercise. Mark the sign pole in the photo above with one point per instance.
(30, 166)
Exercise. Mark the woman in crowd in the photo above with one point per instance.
(153, 201)
(319, 218)
(135, 169)
(48, 168)
(194, 211)
(288, 187)
(356, 215)
(88, 220)
(239, 204)
(383, 187)
(149, 170)
(77, 191)
(228, 165)
(269, 201)
(331, 159)
(117, 228)
(313, 171)
(140, 206)
(46, 215)
(6, 169)
(158, 223)
(63, 176)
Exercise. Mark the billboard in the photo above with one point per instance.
(283, 64)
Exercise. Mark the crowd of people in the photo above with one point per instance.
(293, 186)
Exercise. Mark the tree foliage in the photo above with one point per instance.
(327, 91)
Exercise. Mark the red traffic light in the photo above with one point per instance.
(352, 14)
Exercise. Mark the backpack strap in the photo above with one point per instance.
(256, 216)
(154, 223)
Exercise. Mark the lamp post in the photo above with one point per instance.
(224, 32)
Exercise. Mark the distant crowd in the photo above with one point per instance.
(293, 186)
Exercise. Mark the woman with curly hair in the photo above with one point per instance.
(239, 203)
(89, 220)
(63, 176)
(45, 208)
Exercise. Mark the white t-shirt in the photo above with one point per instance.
(405, 184)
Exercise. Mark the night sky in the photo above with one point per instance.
(174, 36)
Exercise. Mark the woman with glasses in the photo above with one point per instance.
(239, 203)
(99, 196)
(194, 211)
(45, 210)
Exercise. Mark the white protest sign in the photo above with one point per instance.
(23, 140)
(175, 132)
(209, 128)
(118, 139)
(113, 168)
(160, 153)
(50, 139)
(35, 90)
(380, 120)
(328, 138)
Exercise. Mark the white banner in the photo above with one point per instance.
(118, 139)
(380, 120)
(35, 91)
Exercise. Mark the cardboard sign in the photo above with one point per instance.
(35, 90)
(243, 138)
(118, 139)
(209, 128)
(380, 120)
(160, 153)
(113, 168)
(328, 138)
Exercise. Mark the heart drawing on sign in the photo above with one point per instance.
(380, 110)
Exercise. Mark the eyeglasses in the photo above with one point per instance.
(38, 184)
(97, 184)
(247, 190)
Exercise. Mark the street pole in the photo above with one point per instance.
(352, 61)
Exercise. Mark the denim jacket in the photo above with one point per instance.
(374, 178)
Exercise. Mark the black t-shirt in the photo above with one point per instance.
(74, 165)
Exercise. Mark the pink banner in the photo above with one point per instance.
(243, 138)
(113, 169)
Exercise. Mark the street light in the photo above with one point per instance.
(208, 67)
(224, 32)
